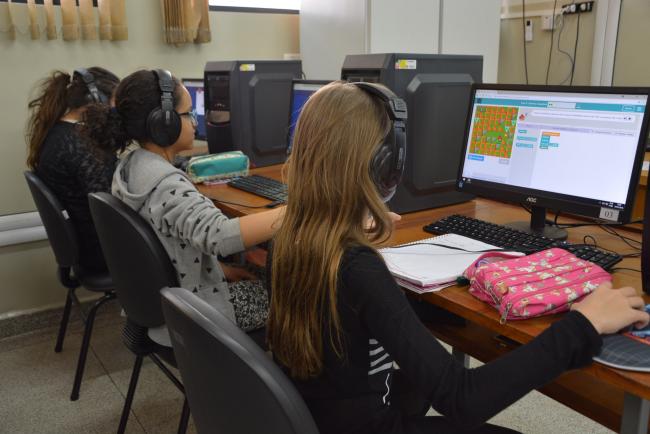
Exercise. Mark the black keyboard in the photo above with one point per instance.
(262, 186)
(512, 239)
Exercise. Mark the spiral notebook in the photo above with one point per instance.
(428, 266)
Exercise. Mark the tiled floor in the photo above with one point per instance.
(35, 385)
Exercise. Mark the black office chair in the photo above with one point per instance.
(140, 268)
(232, 384)
(63, 239)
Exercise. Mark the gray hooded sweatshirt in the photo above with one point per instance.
(189, 226)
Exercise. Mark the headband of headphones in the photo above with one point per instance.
(95, 95)
(387, 164)
(163, 123)
(166, 85)
(395, 106)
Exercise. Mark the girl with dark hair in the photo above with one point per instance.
(338, 320)
(62, 159)
(154, 111)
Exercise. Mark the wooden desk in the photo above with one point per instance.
(615, 398)
(226, 197)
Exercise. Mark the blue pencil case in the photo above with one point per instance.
(217, 166)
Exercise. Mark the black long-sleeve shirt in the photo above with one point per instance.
(72, 170)
(353, 393)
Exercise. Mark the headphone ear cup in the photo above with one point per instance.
(163, 131)
(381, 169)
(387, 164)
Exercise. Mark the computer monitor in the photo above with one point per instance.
(195, 88)
(573, 149)
(301, 90)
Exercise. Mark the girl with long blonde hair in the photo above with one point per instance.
(338, 320)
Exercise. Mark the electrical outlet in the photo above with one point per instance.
(548, 23)
(577, 8)
(528, 35)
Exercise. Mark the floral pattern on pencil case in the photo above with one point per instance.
(543, 283)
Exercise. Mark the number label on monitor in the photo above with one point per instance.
(609, 214)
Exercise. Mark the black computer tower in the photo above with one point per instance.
(247, 107)
(436, 89)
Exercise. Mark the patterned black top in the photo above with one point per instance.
(72, 170)
(354, 394)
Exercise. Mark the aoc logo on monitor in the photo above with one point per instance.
(531, 199)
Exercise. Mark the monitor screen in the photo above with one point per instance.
(195, 88)
(577, 150)
(301, 90)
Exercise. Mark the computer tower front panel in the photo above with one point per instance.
(262, 92)
(436, 90)
(437, 106)
(269, 98)
(218, 108)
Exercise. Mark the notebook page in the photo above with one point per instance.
(422, 289)
(426, 265)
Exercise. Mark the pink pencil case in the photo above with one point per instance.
(543, 283)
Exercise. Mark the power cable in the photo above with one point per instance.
(575, 49)
(550, 49)
(559, 37)
(615, 269)
(523, 21)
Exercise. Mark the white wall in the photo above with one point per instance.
(632, 65)
(407, 26)
(473, 27)
(329, 30)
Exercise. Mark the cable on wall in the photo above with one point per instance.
(550, 49)
(523, 22)
(559, 37)
(575, 49)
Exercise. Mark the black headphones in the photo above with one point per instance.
(387, 165)
(94, 94)
(163, 123)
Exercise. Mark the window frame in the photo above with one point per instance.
(258, 10)
(211, 7)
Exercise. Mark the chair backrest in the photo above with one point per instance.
(137, 261)
(231, 384)
(58, 226)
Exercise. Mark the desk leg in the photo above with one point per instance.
(461, 357)
(635, 415)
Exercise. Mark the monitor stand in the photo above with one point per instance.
(538, 226)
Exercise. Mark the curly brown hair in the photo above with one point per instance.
(113, 129)
(57, 94)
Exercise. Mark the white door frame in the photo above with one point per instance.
(605, 35)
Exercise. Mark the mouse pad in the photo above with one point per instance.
(629, 350)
